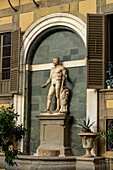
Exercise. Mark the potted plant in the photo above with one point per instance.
(88, 137)
(109, 81)
(10, 133)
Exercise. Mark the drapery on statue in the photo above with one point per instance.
(57, 77)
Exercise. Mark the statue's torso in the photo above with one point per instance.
(56, 74)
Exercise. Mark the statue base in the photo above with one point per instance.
(54, 113)
(54, 134)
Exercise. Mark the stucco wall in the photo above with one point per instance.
(109, 1)
(28, 12)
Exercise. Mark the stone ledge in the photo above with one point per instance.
(37, 158)
(54, 116)
(81, 158)
(45, 163)
(106, 90)
(30, 162)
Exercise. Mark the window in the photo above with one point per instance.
(5, 53)
(95, 52)
(9, 61)
(109, 126)
(99, 49)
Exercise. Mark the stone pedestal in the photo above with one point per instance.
(89, 163)
(54, 134)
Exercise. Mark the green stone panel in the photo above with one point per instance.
(63, 44)
(77, 104)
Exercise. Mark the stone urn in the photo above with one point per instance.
(88, 140)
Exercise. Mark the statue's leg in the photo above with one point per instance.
(58, 85)
(49, 97)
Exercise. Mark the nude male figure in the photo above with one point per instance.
(57, 77)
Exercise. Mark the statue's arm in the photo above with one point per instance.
(47, 82)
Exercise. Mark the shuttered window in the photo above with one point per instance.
(9, 61)
(15, 49)
(95, 51)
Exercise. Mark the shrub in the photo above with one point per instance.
(10, 133)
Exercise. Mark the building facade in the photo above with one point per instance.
(31, 34)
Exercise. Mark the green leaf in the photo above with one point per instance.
(78, 126)
(9, 130)
(88, 121)
(91, 124)
(84, 121)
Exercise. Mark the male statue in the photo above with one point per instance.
(57, 77)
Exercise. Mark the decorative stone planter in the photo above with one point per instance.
(88, 142)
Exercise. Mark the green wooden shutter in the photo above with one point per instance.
(95, 51)
(15, 51)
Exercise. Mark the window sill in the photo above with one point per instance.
(106, 90)
(6, 95)
(6, 80)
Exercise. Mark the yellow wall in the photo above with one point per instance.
(25, 20)
(4, 4)
(4, 104)
(25, 1)
(14, 2)
(56, 9)
(78, 8)
(109, 1)
(5, 20)
(88, 6)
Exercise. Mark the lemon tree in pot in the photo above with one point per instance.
(88, 137)
(10, 133)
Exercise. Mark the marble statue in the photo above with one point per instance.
(57, 77)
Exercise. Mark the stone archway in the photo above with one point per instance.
(58, 19)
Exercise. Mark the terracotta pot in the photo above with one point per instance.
(88, 142)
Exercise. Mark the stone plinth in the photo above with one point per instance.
(94, 163)
(54, 134)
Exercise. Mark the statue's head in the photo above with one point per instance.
(56, 61)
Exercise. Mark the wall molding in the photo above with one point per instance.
(66, 64)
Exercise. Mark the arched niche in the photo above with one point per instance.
(36, 34)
